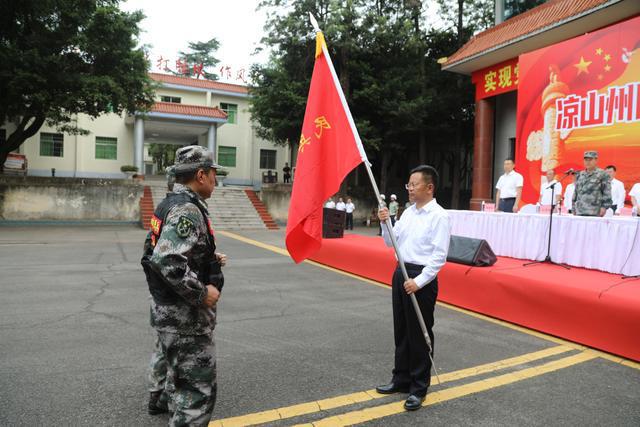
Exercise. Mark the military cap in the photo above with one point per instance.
(193, 157)
(591, 154)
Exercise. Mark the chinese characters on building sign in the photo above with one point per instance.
(619, 104)
(497, 79)
(197, 70)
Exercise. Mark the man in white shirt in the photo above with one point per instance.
(545, 189)
(350, 207)
(568, 193)
(618, 192)
(509, 188)
(330, 204)
(423, 233)
(340, 205)
(635, 196)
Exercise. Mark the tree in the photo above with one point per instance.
(201, 53)
(67, 57)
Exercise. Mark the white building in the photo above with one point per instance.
(187, 111)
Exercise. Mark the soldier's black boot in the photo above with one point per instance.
(157, 405)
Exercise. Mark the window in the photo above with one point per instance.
(231, 110)
(227, 156)
(267, 159)
(106, 148)
(173, 99)
(51, 144)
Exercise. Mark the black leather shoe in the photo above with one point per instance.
(156, 404)
(391, 388)
(413, 403)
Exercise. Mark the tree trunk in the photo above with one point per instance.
(20, 135)
(384, 169)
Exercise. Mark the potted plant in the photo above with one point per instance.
(129, 170)
(221, 174)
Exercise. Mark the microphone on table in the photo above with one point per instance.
(571, 171)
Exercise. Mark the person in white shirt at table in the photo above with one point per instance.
(509, 188)
(350, 208)
(545, 189)
(568, 193)
(330, 204)
(618, 192)
(635, 196)
(340, 205)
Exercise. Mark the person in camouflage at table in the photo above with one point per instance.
(184, 278)
(592, 195)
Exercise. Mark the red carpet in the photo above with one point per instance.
(589, 307)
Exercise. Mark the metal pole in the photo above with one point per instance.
(414, 301)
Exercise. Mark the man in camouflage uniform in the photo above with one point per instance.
(592, 195)
(184, 277)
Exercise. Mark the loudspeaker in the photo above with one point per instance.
(333, 223)
(465, 250)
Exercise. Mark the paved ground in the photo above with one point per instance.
(296, 344)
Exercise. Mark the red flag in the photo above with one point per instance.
(329, 149)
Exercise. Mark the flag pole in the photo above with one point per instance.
(387, 223)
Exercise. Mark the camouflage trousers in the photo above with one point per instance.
(157, 368)
(191, 377)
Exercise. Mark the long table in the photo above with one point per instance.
(609, 244)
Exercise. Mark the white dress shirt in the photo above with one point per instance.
(423, 239)
(545, 192)
(341, 206)
(568, 195)
(330, 204)
(635, 192)
(508, 184)
(617, 194)
(350, 207)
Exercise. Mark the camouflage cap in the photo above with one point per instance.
(591, 154)
(193, 157)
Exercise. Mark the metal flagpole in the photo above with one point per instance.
(414, 301)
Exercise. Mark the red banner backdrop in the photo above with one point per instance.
(578, 95)
(497, 79)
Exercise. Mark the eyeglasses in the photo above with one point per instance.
(411, 185)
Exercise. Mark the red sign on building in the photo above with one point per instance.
(497, 79)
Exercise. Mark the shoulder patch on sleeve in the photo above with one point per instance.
(185, 226)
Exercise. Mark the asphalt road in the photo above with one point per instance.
(75, 342)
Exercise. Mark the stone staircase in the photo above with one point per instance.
(230, 207)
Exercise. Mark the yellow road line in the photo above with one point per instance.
(613, 358)
(377, 412)
(349, 399)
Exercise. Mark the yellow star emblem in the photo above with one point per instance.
(582, 66)
(607, 57)
(599, 51)
(607, 67)
(303, 141)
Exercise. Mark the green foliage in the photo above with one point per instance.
(128, 168)
(202, 53)
(163, 155)
(66, 57)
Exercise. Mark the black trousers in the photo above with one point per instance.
(349, 221)
(506, 205)
(412, 365)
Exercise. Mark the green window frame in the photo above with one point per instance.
(231, 110)
(172, 99)
(51, 144)
(227, 156)
(268, 159)
(106, 148)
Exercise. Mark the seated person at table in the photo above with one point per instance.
(568, 193)
(545, 190)
(509, 188)
(635, 196)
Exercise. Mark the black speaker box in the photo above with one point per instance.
(465, 250)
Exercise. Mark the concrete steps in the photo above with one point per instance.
(231, 208)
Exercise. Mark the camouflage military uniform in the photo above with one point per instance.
(592, 192)
(178, 254)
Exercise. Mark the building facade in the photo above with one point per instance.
(187, 111)
(492, 59)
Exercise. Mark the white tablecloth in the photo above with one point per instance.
(608, 244)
